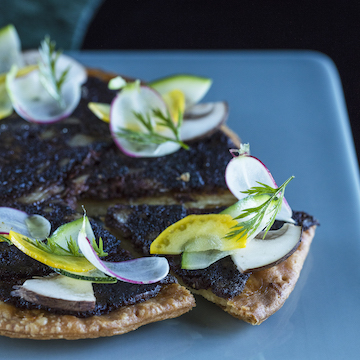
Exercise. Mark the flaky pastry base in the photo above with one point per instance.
(266, 290)
(172, 301)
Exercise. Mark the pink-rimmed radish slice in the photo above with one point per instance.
(143, 100)
(33, 102)
(246, 171)
(202, 119)
(144, 270)
(31, 226)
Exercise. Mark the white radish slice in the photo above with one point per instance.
(202, 119)
(261, 253)
(244, 172)
(59, 292)
(143, 100)
(144, 270)
(33, 102)
(31, 226)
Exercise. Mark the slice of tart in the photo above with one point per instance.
(118, 307)
(250, 296)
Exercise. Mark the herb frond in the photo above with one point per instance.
(151, 136)
(99, 248)
(5, 239)
(72, 248)
(256, 214)
(47, 66)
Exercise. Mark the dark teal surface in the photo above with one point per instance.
(289, 106)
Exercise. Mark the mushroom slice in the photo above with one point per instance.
(261, 253)
(202, 119)
(58, 292)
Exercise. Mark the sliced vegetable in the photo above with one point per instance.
(47, 94)
(34, 103)
(66, 262)
(10, 49)
(261, 253)
(202, 119)
(202, 259)
(138, 271)
(10, 53)
(175, 101)
(58, 292)
(193, 87)
(101, 110)
(148, 138)
(31, 226)
(95, 276)
(244, 172)
(197, 233)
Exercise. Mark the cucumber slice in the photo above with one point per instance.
(62, 234)
(193, 87)
(201, 259)
(10, 49)
(95, 276)
(248, 202)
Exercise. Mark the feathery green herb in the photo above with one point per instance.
(47, 66)
(151, 136)
(256, 214)
(72, 249)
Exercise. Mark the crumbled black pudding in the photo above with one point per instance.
(77, 158)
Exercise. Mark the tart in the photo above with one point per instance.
(53, 169)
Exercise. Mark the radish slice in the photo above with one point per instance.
(33, 102)
(145, 270)
(31, 226)
(139, 99)
(202, 119)
(245, 171)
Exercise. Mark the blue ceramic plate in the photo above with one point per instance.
(290, 107)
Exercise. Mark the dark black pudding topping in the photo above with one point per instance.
(118, 175)
(76, 157)
(16, 267)
(143, 223)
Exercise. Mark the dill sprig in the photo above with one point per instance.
(47, 66)
(256, 214)
(72, 248)
(151, 136)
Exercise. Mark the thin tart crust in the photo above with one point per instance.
(172, 301)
